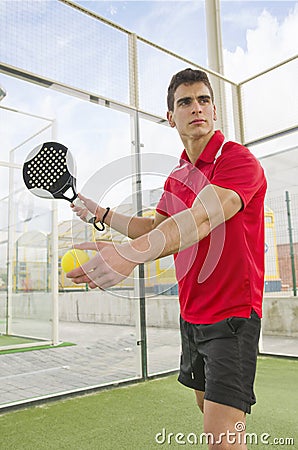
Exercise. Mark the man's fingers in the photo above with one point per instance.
(82, 197)
(106, 269)
(95, 246)
(86, 246)
(103, 281)
(89, 204)
(88, 269)
(80, 280)
(84, 270)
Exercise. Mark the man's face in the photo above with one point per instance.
(194, 113)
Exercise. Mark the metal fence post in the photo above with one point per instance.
(292, 253)
(137, 196)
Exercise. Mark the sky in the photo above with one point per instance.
(255, 36)
(248, 29)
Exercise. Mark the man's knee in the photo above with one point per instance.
(200, 399)
(220, 423)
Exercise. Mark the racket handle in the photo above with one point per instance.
(90, 218)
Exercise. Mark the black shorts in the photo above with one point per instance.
(220, 359)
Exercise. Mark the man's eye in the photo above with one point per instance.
(204, 100)
(184, 102)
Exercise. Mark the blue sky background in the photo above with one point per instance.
(180, 25)
(74, 49)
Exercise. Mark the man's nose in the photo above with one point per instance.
(196, 107)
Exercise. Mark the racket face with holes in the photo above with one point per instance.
(49, 172)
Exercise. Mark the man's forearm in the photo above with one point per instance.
(212, 207)
(171, 236)
(133, 227)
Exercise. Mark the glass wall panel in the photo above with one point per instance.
(65, 46)
(3, 246)
(160, 154)
(280, 324)
(260, 100)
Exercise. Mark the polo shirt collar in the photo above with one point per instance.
(209, 152)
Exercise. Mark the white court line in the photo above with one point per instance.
(36, 372)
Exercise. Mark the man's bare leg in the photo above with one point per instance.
(200, 399)
(220, 421)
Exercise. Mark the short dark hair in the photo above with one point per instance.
(187, 76)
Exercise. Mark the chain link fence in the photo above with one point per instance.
(281, 251)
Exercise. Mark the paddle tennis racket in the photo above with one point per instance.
(49, 171)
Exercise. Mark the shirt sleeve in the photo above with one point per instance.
(239, 170)
(162, 207)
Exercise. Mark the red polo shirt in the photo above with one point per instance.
(223, 274)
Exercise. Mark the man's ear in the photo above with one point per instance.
(170, 119)
(214, 113)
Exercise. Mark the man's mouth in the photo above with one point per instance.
(197, 121)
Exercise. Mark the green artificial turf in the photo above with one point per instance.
(10, 341)
(129, 418)
(15, 340)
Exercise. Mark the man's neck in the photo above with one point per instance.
(194, 148)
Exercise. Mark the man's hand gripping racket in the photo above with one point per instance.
(49, 171)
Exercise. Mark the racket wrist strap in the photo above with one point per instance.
(102, 221)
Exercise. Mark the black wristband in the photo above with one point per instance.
(102, 228)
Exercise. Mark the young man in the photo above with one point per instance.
(211, 217)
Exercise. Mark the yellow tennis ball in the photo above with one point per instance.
(73, 259)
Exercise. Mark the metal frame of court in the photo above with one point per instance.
(135, 112)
